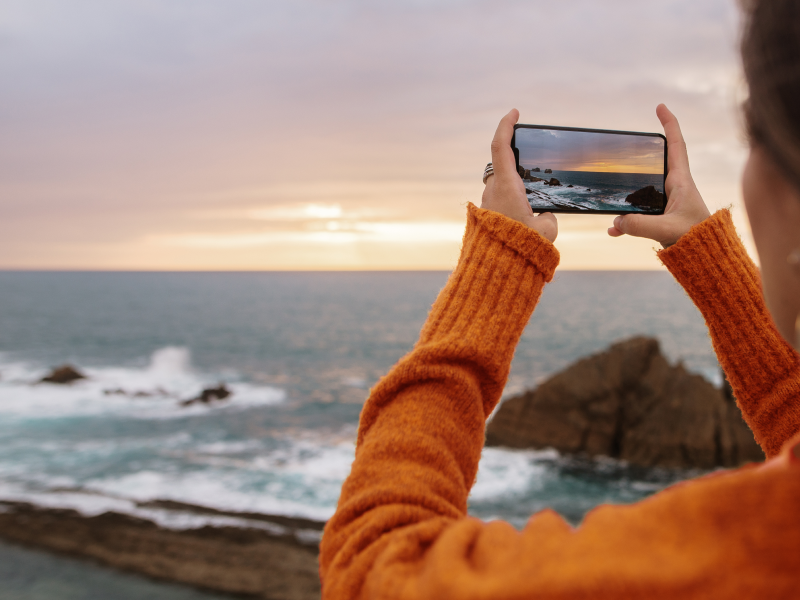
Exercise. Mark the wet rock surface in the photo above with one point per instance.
(63, 375)
(209, 395)
(254, 563)
(629, 403)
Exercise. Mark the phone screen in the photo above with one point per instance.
(566, 169)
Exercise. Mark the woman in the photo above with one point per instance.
(401, 530)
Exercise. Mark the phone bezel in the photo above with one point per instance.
(593, 211)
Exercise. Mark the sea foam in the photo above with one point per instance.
(152, 392)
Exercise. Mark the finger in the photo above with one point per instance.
(677, 156)
(654, 227)
(546, 225)
(614, 232)
(503, 161)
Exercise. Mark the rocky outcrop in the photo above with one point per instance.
(209, 395)
(553, 182)
(63, 375)
(647, 197)
(548, 170)
(628, 403)
(536, 170)
(270, 560)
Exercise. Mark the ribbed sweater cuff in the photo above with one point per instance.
(482, 311)
(712, 265)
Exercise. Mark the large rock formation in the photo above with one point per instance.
(548, 170)
(628, 403)
(647, 197)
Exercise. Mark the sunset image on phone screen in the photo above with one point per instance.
(576, 170)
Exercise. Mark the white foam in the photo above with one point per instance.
(153, 392)
(92, 504)
(504, 473)
(302, 480)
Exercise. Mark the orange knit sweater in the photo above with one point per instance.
(401, 529)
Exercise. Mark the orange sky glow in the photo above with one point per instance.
(322, 136)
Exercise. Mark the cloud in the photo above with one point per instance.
(126, 122)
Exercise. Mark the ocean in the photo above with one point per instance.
(596, 191)
(299, 351)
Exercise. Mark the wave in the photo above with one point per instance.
(304, 480)
(152, 392)
(228, 463)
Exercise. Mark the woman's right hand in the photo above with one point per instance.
(685, 206)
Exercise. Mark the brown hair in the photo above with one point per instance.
(771, 57)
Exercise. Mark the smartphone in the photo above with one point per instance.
(592, 171)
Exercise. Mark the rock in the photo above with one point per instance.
(263, 556)
(535, 179)
(570, 185)
(208, 395)
(527, 174)
(536, 170)
(628, 403)
(647, 197)
(588, 189)
(548, 170)
(553, 182)
(521, 171)
(63, 375)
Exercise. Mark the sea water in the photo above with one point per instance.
(590, 190)
(299, 351)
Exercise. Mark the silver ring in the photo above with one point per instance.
(487, 172)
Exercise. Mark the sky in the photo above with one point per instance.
(589, 151)
(312, 134)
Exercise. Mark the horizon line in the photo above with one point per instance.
(389, 270)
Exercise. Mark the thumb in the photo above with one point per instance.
(654, 227)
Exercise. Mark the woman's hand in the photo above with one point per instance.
(685, 206)
(505, 192)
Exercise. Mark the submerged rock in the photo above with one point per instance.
(647, 197)
(63, 375)
(628, 403)
(209, 395)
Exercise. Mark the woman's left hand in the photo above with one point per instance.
(505, 192)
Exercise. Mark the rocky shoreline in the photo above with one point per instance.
(275, 557)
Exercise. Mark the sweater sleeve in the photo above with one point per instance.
(421, 430)
(712, 265)
(401, 531)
